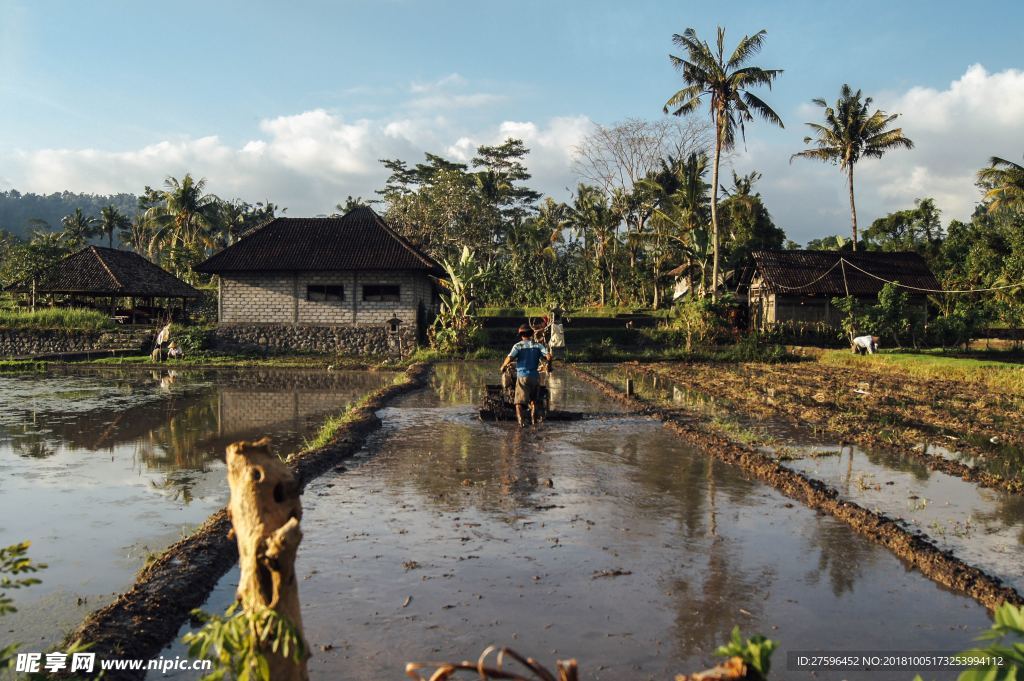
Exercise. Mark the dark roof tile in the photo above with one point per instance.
(96, 270)
(820, 272)
(359, 240)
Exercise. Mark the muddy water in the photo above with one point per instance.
(983, 527)
(101, 468)
(607, 540)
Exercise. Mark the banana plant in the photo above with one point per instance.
(456, 328)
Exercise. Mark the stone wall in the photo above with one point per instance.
(281, 298)
(342, 340)
(29, 342)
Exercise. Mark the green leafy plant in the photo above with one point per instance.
(756, 651)
(238, 643)
(457, 328)
(193, 340)
(1006, 639)
(14, 561)
(701, 320)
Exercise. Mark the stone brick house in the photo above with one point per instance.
(798, 286)
(309, 280)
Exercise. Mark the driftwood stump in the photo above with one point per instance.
(265, 511)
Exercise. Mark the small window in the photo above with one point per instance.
(382, 293)
(325, 293)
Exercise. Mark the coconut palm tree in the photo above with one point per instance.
(112, 219)
(78, 227)
(682, 213)
(187, 217)
(851, 133)
(1004, 184)
(591, 217)
(724, 81)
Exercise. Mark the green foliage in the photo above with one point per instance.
(817, 334)
(747, 222)
(14, 561)
(1006, 641)
(756, 651)
(890, 319)
(62, 318)
(23, 213)
(193, 340)
(917, 229)
(457, 329)
(701, 320)
(238, 643)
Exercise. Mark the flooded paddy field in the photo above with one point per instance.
(607, 539)
(965, 421)
(102, 468)
(981, 526)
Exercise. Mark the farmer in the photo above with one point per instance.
(865, 345)
(557, 340)
(526, 354)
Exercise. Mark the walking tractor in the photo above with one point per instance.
(499, 399)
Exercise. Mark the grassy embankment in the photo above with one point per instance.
(993, 373)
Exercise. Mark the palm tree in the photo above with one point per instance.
(682, 212)
(112, 219)
(592, 218)
(78, 227)
(849, 134)
(725, 82)
(188, 215)
(1004, 184)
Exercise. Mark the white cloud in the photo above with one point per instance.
(955, 130)
(308, 161)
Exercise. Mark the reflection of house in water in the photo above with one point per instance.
(186, 422)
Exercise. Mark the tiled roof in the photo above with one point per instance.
(103, 271)
(820, 272)
(359, 240)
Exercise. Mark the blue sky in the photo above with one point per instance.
(295, 101)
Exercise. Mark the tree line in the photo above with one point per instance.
(652, 210)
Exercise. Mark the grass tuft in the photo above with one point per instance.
(55, 318)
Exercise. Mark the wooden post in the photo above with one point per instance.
(629, 387)
(265, 512)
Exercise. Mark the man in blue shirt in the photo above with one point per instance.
(526, 354)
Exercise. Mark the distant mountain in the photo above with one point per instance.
(18, 211)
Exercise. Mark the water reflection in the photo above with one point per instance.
(119, 463)
(606, 539)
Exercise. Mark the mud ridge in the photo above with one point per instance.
(142, 620)
(973, 474)
(915, 549)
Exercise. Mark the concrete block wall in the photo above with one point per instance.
(257, 298)
(280, 298)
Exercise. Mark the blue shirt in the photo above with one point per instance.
(527, 354)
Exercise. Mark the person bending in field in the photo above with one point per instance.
(526, 354)
(865, 345)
